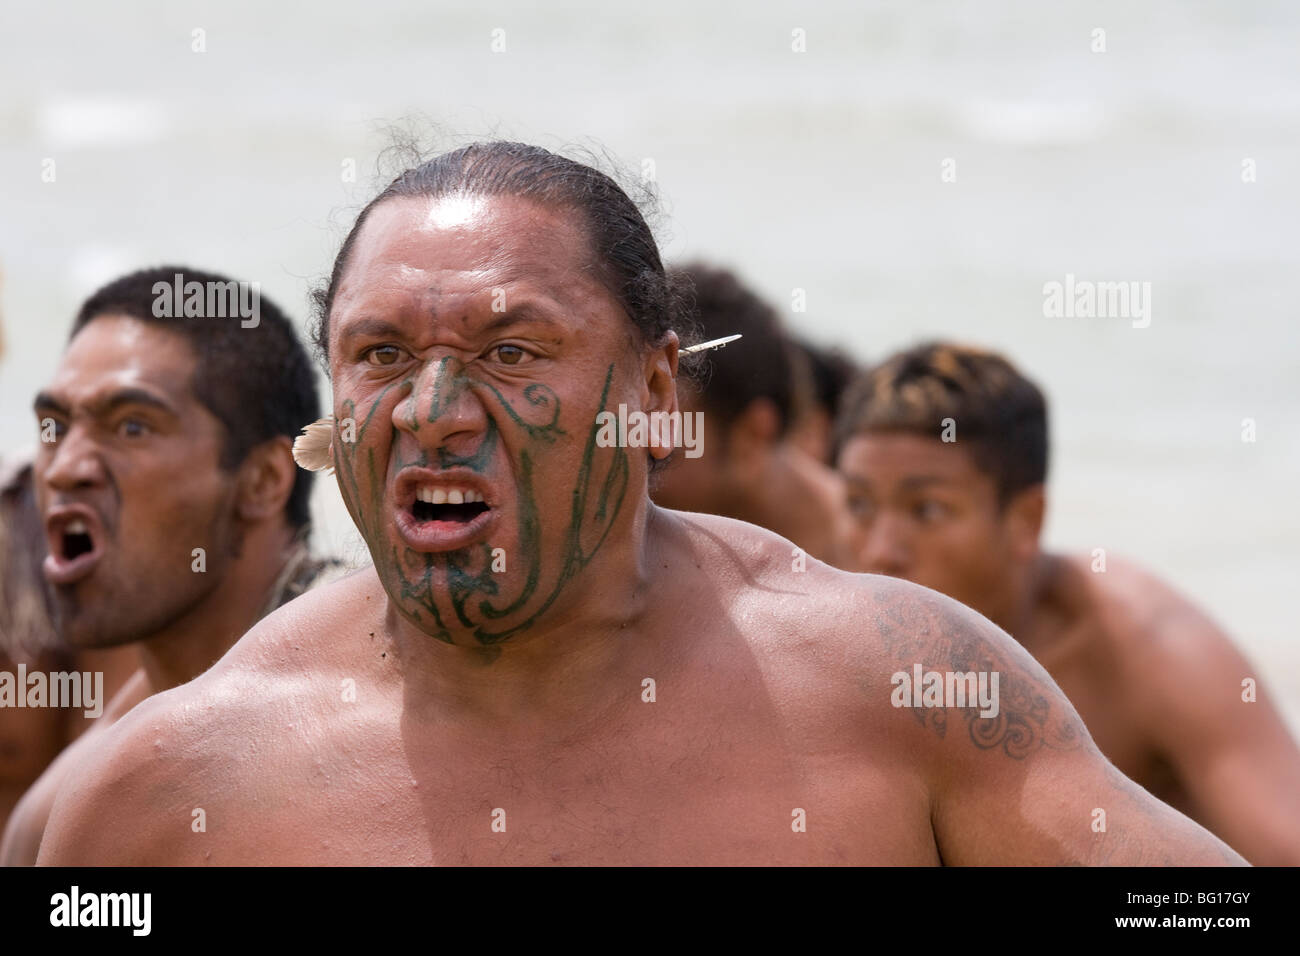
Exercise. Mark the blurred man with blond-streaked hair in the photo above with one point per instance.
(945, 449)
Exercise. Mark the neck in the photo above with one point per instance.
(194, 642)
(1020, 613)
(795, 496)
(566, 663)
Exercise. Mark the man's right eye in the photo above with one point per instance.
(930, 510)
(860, 507)
(50, 429)
(382, 355)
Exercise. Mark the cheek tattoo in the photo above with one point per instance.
(433, 589)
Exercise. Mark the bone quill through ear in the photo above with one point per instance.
(312, 449)
(712, 344)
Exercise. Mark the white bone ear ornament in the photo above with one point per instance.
(313, 449)
(712, 344)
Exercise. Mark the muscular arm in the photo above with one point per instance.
(1234, 757)
(1028, 785)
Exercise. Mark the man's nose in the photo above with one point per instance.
(443, 408)
(74, 461)
(886, 549)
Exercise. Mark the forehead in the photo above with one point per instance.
(117, 351)
(455, 252)
(901, 456)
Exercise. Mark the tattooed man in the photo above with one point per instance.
(542, 666)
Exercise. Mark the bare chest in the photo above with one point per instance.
(655, 793)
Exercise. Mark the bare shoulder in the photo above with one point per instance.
(915, 686)
(1180, 676)
(1014, 774)
(212, 743)
(1129, 596)
(844, 638)
(1147, 623)
(309, 625)
(27, 823)
(802, 611)
(22, 834)
(285, 656)
(951, 674)
(117, 787)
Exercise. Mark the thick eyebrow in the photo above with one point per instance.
(132, 396)
(371, 328)
(524, 312)
(108, 403)
(45, 402)
(920, 481)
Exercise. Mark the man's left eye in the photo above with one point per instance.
(132, 428)
(511, 354)
(933, 511)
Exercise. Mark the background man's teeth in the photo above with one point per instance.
(455, 498)
(423, 494)
(439, 497)
(472, 496)
(77, 527)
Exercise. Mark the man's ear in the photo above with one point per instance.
(266, 480)
(1024, 517)
(661, 384)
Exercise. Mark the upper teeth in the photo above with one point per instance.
(444, 496)
(77, 526)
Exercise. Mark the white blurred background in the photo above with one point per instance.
(817, 170)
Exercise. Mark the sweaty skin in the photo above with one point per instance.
(633, 685)
(1158, 684)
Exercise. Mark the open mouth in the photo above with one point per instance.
(76, 540)
(459, 506)
(72, 537)
(443, 514)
